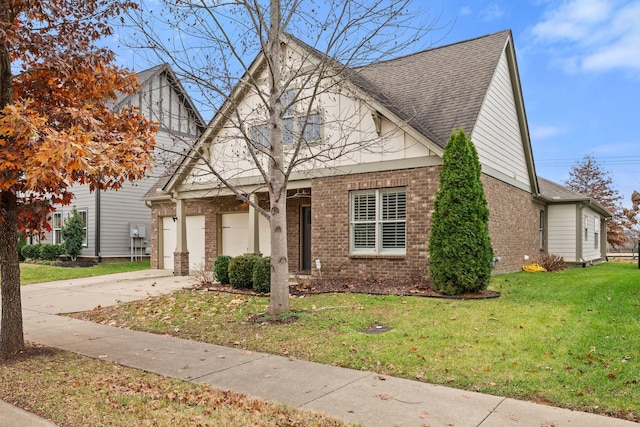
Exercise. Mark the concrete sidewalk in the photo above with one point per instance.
(355, 396)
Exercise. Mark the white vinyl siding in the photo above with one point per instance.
(497, 134)
(561, 231)
(378, 221)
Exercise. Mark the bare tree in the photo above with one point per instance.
(291, 86)
(587, 177)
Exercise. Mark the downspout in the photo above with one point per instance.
(97, 248)
(579, 238)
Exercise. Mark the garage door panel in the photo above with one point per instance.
(195, 242)
(235, 234)
(168, 242)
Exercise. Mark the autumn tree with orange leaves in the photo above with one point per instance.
(56, 124)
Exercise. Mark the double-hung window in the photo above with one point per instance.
(84, 215)
(57, 228)
(378, 221)
(295, 124)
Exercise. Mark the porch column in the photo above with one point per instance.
(254, 228)
(181, 254)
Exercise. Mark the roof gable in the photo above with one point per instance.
(441, 89)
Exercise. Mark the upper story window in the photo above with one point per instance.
(378, 221)
(295, 124)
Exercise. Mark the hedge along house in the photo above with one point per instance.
(117, 223)
(366, 213)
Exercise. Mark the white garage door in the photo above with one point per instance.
(235, 235)
(195, 241)
(168, 242)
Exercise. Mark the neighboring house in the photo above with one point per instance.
(576, 224)
(368, 214)
(117, 223)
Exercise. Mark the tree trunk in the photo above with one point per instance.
(279, 297)
(11, 333)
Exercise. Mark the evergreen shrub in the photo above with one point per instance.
(262, 275)
(51, 252)
(221, 269)
(241, 271)
(459, 245)
(73, 234)
(31, 251)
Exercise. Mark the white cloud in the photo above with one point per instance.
(466, 10)
(491, 12)
(543, 132)
(592, 35)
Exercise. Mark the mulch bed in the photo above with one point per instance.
(322, 286)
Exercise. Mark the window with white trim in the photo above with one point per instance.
(84, 214)
(541, 230)
(294, 125)
(57, 228)
(596, 230)
(378, 221)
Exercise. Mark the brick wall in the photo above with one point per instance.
(513, 224)
(330, 225)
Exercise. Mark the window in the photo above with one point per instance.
(378, 221)
(596, 229)
(259, 135)
(585, 221)
(294, 125)
(84, 215)
(541, 230)
(57, 228)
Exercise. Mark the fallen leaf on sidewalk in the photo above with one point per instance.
(103, 356)
(383, 396)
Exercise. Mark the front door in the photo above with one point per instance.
(305, 239)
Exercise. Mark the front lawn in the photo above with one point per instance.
(568, 339)
(36, 273)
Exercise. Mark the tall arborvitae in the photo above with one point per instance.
(460, 248)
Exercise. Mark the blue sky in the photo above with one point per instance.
(579, 63)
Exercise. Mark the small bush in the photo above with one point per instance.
(551, 262)
(241, 271)
(50, 252)
(221, 269)
(73, 234)
(262, 275)
(31, 251)
(21, 244)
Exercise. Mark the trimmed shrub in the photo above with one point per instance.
(73, 234)
(51, 252)
(459, 245)
(241, 271)
(31, 251)
(262, 275)
(221, 269)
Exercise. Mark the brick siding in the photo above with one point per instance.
(513, 224)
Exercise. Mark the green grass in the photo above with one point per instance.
(569, 339)
(35, 273)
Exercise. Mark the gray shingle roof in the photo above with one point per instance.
(438, 90)
(553, 192)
